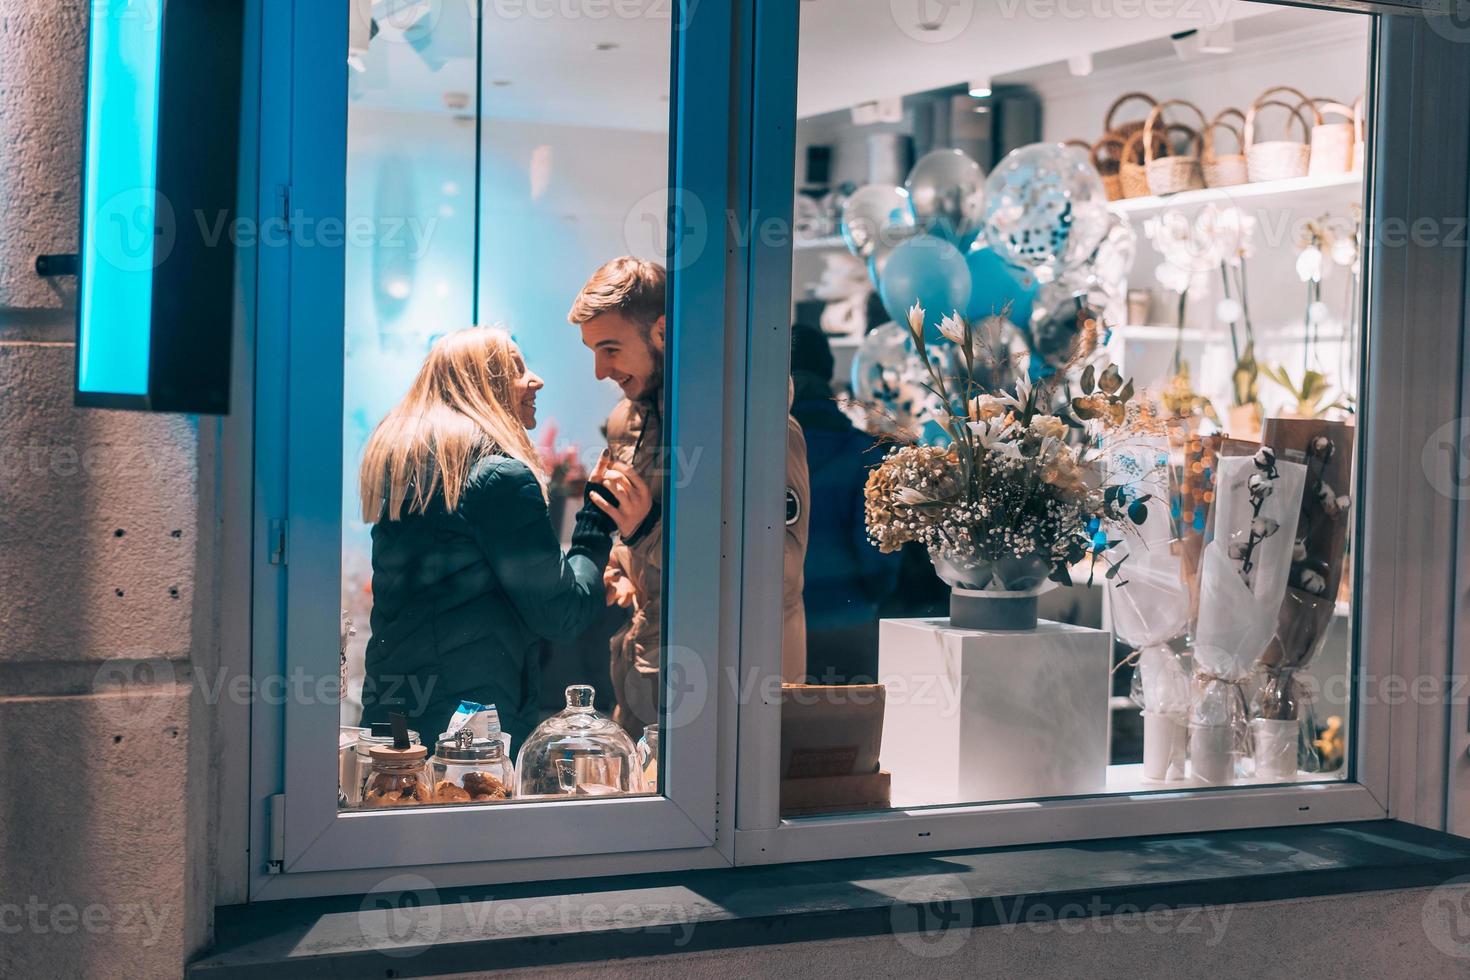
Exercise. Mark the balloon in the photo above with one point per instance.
(995, 286)
(928, 271)
(1057, 328)
(947, 191)
(873, 216)
(1045, 209)
(888, 379)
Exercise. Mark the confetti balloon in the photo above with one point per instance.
(1045, 209)
(888, 379)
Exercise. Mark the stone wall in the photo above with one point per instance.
(104, 613)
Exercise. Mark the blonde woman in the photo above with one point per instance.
(467, 571)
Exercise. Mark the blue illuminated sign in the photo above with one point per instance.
(126, 225)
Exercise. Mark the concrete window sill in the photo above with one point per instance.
(564, 923)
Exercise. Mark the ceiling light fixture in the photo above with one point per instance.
(1080, 64)
(980, 88)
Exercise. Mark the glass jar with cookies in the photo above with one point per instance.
(469, 769)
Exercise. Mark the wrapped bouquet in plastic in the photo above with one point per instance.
(1310, 600)
(1149, 605)
(1243, 577)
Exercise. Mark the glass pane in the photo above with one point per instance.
(512, 622)
(1091, 533)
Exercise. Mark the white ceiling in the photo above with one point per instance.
(851, 51)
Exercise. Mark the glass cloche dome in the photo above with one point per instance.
(578, 753)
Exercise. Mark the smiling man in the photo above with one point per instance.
(621, 315)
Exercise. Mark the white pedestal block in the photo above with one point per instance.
(974, 716)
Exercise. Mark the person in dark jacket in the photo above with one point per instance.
(846, 576)
(468, 575)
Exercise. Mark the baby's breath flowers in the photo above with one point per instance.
(1013, 484)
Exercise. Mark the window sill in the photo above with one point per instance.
(554, 923)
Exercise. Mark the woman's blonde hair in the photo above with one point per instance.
(459, 409)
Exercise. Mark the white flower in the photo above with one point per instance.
(1318, 313)
(1229, 310)
(909, 496)
(1309, 264)
(1344, 251)
(1313, 582)
(952, 328)
(916, 320)
(1172, 277)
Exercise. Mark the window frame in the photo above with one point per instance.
(1407, 763)
(1400, 397)
(298, 476)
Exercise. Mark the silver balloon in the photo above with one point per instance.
(876, 216)
(1045, 209)
(947, 190)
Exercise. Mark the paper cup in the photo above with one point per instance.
(1164, 740)
(1212, 754)
(1276, 744)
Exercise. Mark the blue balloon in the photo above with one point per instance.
(994, 286)
(931, 272)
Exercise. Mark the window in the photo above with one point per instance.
(1220, 295)
(494, 165)
(512, 154)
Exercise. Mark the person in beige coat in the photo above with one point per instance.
(621, 315)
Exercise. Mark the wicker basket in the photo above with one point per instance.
(1360, 126)
(1228, 169)
(1171, 171)
(1126, 129)
(1332, 142)
(1107, 154)
(1279, 159)
(1132, 172)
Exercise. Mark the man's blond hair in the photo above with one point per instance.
(628, 286)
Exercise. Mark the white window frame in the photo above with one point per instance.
(1397, 751)
(308, 843)
(733, 297)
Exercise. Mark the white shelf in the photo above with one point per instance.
(1333, 189)
(1129, 778)
(1163, 333)
(825, 242)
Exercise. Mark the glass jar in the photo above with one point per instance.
(648, 758)
(578, 753)
(470, 769)
(354, 771)
(398, 777)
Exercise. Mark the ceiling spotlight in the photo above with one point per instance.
(1080, 64)
(980, 88)
(1218, 40)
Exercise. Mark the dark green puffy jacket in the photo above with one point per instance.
(460, 600)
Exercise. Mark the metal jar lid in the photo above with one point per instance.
(463, 746)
